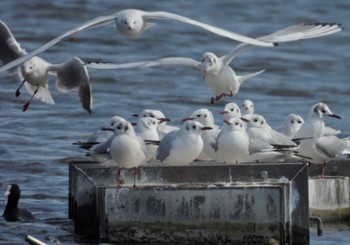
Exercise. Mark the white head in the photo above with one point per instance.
(231, 110)
(204, 116)
(191, 127)
(247, 107)
(121, 127)
(294, 121)
(255, 121)
(210, 62)
(320, 111)
(234, 124)
(130, 23)
(149, 123)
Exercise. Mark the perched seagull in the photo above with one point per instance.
(126, 148)
(206, 118)
(314, 144)
(163, 128)
(217, 73)
(100, 136)
(34, 72)
(247, 107)
(257, 128)
(233, 145)
(132, 23)
(146, 128)
(231, 109)
(183, 146)
(291, 125)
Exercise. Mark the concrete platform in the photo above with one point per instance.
(208, 203)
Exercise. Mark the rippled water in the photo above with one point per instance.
(37, 145)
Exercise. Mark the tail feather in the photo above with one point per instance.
(242, 79)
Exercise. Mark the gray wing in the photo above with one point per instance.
(73, 75)
(331, 146)
(166, 145)
(10, 49)
(256, 146)
(144, 64)
(210, 28)
(99, 21)
(289, 34)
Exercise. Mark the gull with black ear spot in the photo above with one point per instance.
(231, 110)
(183, 146)
(314, 143)
(35, 72)
(216, 71)
(291, 125)
(12, 212)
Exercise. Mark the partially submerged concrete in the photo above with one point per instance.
(201, 203)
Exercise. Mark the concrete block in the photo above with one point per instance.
(210, 203)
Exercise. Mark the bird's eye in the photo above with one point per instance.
(232, 109)
(135, 22)
(119, 126)
(125, 22)
(300, 122)
(292, 122)
(236, 123)
(198, 115)
(205, 116)
(187, 128)
(323, 111)
(256, 120)
(151, 115)
(194, 127)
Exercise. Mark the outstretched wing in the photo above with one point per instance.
(144, 64)
(99, 21)
(210, 28)
(289, 34)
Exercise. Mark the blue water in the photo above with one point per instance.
(37, 145)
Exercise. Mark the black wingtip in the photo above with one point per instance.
(275, 44)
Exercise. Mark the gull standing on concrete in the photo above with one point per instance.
(206, 118)
(247, 107)
(146, 128)
(291, 125)
(257, 128)
(233, 145)
(216, 71)
(34, 73)
(100, 136)
(314, 144)
(231, 109)
(183, 146)
(163, 128)
(132, 23)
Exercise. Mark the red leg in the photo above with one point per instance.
(218, 97)
(19, 88)
(26, 105)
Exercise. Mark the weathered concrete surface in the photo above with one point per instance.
(329, 198)
(208, 203)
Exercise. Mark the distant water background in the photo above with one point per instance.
(36, 145)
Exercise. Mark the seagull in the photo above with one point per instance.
(319, 147)
(183, 146)
(291, 125)
(247, 107)
(146, 128)
(100, 136)
(126, 148)
(216, 71)
(257, 128)
(132, 23)
(34, 73)
(233, 144)
(231, 109)
(206, 118)
(163, 128)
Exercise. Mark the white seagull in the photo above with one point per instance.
(34, 72)
(163, 128)
(233, 145)
(206, 118)
(291, 125)
(314, 144)
(216, 71)
(230, 110)
(132, 23)
(247, 107)
(183, 146)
